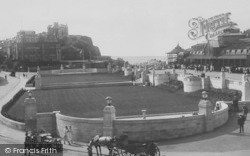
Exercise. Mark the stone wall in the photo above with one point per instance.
(159, 79)
(128, 71)
(83, 128)
(215, 83)
(221, 116)
(47, 122)
(191, 84)
(65, 71)
(159, 128)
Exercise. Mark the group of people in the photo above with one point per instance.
(203, 68)
(68, 135)
(242, 118)
(25, 75)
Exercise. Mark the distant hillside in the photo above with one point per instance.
(75, 47)
(139, 59)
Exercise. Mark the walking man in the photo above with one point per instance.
(241, 122)
(245, 110)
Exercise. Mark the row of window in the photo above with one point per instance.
(197, 52)
(238, 51)
(228, 52)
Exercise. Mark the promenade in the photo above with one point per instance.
(224, 141)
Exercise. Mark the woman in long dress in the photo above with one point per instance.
(70, 135)
(66, 137)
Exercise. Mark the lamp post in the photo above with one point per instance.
(204, 95)
(30, 94)
(109, 100)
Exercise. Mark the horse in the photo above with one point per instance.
(101, 141)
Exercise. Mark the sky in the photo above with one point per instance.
(121, 27)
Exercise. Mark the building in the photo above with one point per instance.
(58, 31)
(26, 36)
(231, 49)
(37, 51)
(173, 55)
(31, 47)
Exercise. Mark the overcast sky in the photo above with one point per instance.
(120, 27)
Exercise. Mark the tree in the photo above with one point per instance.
(118, 62)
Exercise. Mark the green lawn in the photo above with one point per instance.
(89, 102)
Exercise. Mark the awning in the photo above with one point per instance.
(233, 57)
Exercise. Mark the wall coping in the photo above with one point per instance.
(77, 119)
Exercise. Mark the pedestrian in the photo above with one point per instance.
(70, 135)
(241, 122)
(245, 110)
(133, 78)
(27, 144)
(235, 103)
(66, 135)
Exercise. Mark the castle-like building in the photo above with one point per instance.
(27, 46)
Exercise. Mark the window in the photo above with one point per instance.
(244, 51)
(238, 51)
(233, 52)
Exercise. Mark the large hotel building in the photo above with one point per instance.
(231, 49)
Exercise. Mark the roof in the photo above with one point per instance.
(239, 45)
(176, 50)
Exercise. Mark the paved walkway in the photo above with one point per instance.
(224, 141)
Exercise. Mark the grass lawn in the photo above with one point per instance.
(89, 102)
(68, 78)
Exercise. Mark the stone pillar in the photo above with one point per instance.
(38, 81)
(184, 72)
(143, 77)
(83, 67)
(30, 110)
(109, 116)
(61, 68)
(173, 71)
(245, 88)
(109, 68)
(153, 77)
(205, 83)
(206, 107)
(38, 69)
(222, 80)
(144, 113)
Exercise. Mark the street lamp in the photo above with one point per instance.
(109, 100)
(204, 95)
(30, 94)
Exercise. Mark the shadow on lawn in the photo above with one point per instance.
(227, 129)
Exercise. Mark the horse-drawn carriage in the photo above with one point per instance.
(121, 146)
(42, 141)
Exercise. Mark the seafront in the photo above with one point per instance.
(225, 140)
